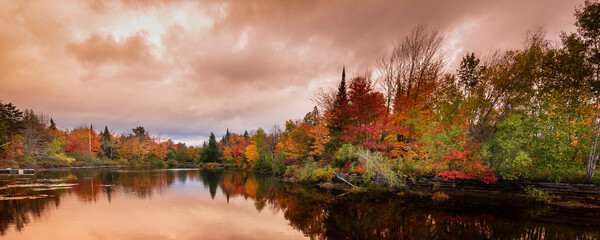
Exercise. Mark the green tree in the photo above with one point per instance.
(210, 152)
(469, 72)
(588, 28)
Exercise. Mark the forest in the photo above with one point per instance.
(521, 114)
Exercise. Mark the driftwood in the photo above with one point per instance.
(341, 178)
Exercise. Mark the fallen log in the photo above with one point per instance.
(341, 178)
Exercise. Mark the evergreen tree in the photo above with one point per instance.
(225, 139)
(52, 125)
(469, 72)
(210, 152)
(338, 118)
(11, 118)
(106, 134)
(139, 131)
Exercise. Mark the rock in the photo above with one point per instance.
(327, 185)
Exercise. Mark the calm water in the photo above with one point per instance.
(204, 204)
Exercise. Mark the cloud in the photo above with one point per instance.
(97, 50)
(184, 69)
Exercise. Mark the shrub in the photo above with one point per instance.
(277, 164)
(263, 163)
(561, 174)
(8, 163)
(322, 174)
(346, 153)
(306, 172)
(290, 171)
(158, 164)
(518, 168)
(376, 164)
(171, 163)
(539, 195)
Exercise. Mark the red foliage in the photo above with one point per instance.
(366, 105)
(486, 177)
(367, 136)
(83, 140)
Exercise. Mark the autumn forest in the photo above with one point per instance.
(526, 114)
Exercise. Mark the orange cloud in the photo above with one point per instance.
(185, 68)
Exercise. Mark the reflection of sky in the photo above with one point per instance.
(181, 211)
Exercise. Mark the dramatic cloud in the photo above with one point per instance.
(185, 68)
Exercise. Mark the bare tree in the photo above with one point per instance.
(418, 60)
(324, 98)
(387, 71)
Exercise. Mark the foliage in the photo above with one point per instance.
(376, 165)
(347, 154)
(306, 172)
(539, 195)
(531, 113)
(251, 154)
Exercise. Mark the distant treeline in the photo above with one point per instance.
(526, 114)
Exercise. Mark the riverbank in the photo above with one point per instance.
(564, 203)
(501, 193)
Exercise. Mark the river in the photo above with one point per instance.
(227, 204)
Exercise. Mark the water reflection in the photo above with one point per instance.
(189, 204)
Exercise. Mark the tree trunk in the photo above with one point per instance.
(593, 156)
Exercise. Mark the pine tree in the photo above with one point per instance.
(212, 149)
(52, 125)
(469, 72)
(105, 134)
(225, 139)
(338, 119)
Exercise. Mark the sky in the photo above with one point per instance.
(183, 69)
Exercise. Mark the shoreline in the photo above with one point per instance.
(586, 195)
(564, 203)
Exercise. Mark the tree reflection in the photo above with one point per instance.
(318, 214)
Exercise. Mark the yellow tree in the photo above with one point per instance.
(251, 153)
(320, 134)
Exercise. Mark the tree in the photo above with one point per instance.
(418, 66)
(10, 124)
(366, 106)
(338, 118)
(107, 144)
(386, 67)
(319, 133)
(312, 118)
(325, 99)
(469, 73)
(210, 153)
(11, 117)
(588, 28)
(83, 141)
(251, 153)
(140, 133)
(35, 136)
(52, 125)
(182, 153)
